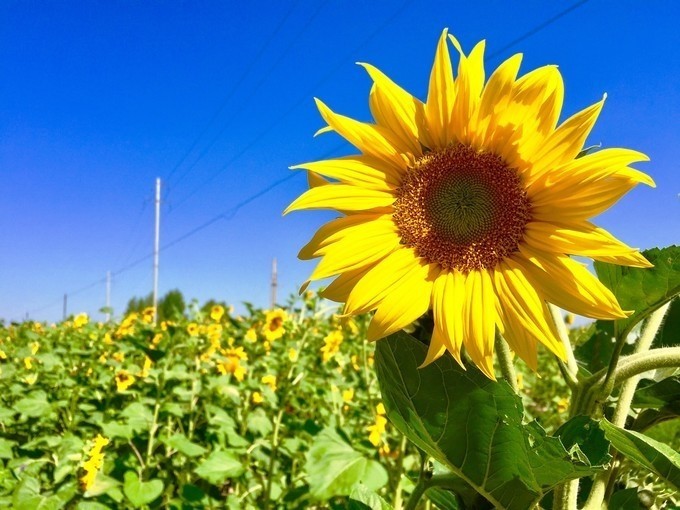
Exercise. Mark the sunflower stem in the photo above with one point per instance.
(651, 328)
(505, 361)
(563, 332)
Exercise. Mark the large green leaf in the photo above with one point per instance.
(472, 425)
(669, 333)
(334, 467)
(664, 394)
(141, 493)
(184, 445)
(362, 498)
(219, 466)
(643, 290)
(649, 453)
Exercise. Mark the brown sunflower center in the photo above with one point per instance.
(461, 208)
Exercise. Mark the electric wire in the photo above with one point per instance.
(233, 90)
(234, 115)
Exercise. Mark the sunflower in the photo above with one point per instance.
(470, 205)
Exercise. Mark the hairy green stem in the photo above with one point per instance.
(400, 467)
(425, 483)
(649, 332)
(505, 361)
(563, 332)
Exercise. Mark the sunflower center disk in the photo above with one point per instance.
(461, 208)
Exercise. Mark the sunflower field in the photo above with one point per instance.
(271, 409)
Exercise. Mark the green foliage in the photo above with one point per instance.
(190, 431)
(472, 425)
(651, 454)
(335, 467)
(171, 306)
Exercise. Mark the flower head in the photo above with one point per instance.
(470, 205)
(269, 380)
(216, 313)
(94, 462)
(331, 345)
(124, 380)
(232, 363)
(273, 328)
(251, 335)
(80, 320)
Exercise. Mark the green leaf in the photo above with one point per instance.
(472, 425)
(183, 445)
(664, 394)
(669, 333)
(141, 493)
(334, 467)
(33, 407)
(581, 435)
(139, 416)
(259, 423)
(444, 499)
(6, 448)
(363, 498)
(651, 454)
(114, 429)
(220, 466)
(626, 499)
(643, 290)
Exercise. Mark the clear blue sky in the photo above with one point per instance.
(98, 98)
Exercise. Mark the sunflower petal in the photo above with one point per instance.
(341, 196)
(368, 138)
(524, 313)
(479, 320)
(435, 350)
(315, 180)
(355, 253)
(361, 171)
(440, 97)
(363, 225)
(448, 296)
(495, 98)
(468, 86)
(397, 110)
(568, 284)
(582, 238)
(406, 302)
(564, 144)
(338, 290)
(369, 292)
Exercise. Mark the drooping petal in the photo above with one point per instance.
(448, 296)
(436, 349)
(479, 319)
(582, 238)
(568, 284)
(406, 302)
(524, 313)
(338, 290)
(397, 110)
(364, 171)
(342, 196)
(368, 138)
(440, 97)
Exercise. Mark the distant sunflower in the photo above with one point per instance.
(470, 205)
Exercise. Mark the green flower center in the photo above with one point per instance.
(461, 208)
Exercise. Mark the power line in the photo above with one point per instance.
(303, 98)
(252, 91)
(536, 29)
(226, 215)
(233, 90)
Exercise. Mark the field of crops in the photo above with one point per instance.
(274, 409)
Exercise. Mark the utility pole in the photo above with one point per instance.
(156, 247)
(274, 284)
(108, 297)
(64, 309)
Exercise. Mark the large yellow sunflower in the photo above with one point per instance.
(469, 204)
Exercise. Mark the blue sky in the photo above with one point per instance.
(97, 99)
